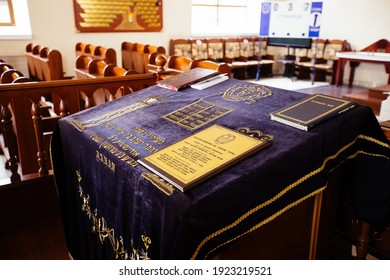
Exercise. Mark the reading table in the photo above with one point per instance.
(113, 207)
(355, 58)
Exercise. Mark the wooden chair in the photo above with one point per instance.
(178, 64)
(199, 49)
(233, 57)
(180, 47)
(222, 68)
(329, 65)
(315, 54)
(267, 60)
(215, 49)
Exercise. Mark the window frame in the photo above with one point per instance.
(218, 5)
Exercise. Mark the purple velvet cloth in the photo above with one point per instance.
(114, 212)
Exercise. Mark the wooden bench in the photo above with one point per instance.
(135, 56)
(96, 52)
(8, 74)
(166, 66)
(82, 65)
(27, 132)
(44, 64)
(87, 67)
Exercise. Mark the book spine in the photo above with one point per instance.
(168, 86)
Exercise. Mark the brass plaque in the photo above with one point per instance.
(201, 155)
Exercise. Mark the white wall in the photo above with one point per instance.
(52, 24)
(361, 22)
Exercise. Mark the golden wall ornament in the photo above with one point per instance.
(118, 16)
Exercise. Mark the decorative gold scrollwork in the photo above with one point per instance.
(256, 134)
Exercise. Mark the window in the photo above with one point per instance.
(219, 17)
(14, 20)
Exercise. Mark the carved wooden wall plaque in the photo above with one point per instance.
(118, 15)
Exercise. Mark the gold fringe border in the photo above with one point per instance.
(288, 188)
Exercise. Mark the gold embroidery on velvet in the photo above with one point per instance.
(247, 94)
(82, 125)
(256, 134)
(158, 182)
(197, 114)
(293, 185)
(104, 232)
(269, 219)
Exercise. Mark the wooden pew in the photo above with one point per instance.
(96, 52)
(12, 76)
(24, 124)
(166, 66)
(82, 64)
(135, 56)
(44, 64)
(4, 66)
(87, 67)
(8, 74)
(127, 56)
(29, 52)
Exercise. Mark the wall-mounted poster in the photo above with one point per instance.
(118, 15)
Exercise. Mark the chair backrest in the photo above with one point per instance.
(138, 57)
(317, 48)
(180, 47)
(4, 67)
(222, 68)
(199, 49)
(247, 48)
(10, 76)
(332, 47)
(127, 57)
(181, 63)
(232, 49)
(215, 49)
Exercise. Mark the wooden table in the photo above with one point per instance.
(355, 58)
(275, 198)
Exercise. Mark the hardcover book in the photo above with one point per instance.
(210, 82)
(311, 111)
(201, 155)
(187, 78)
